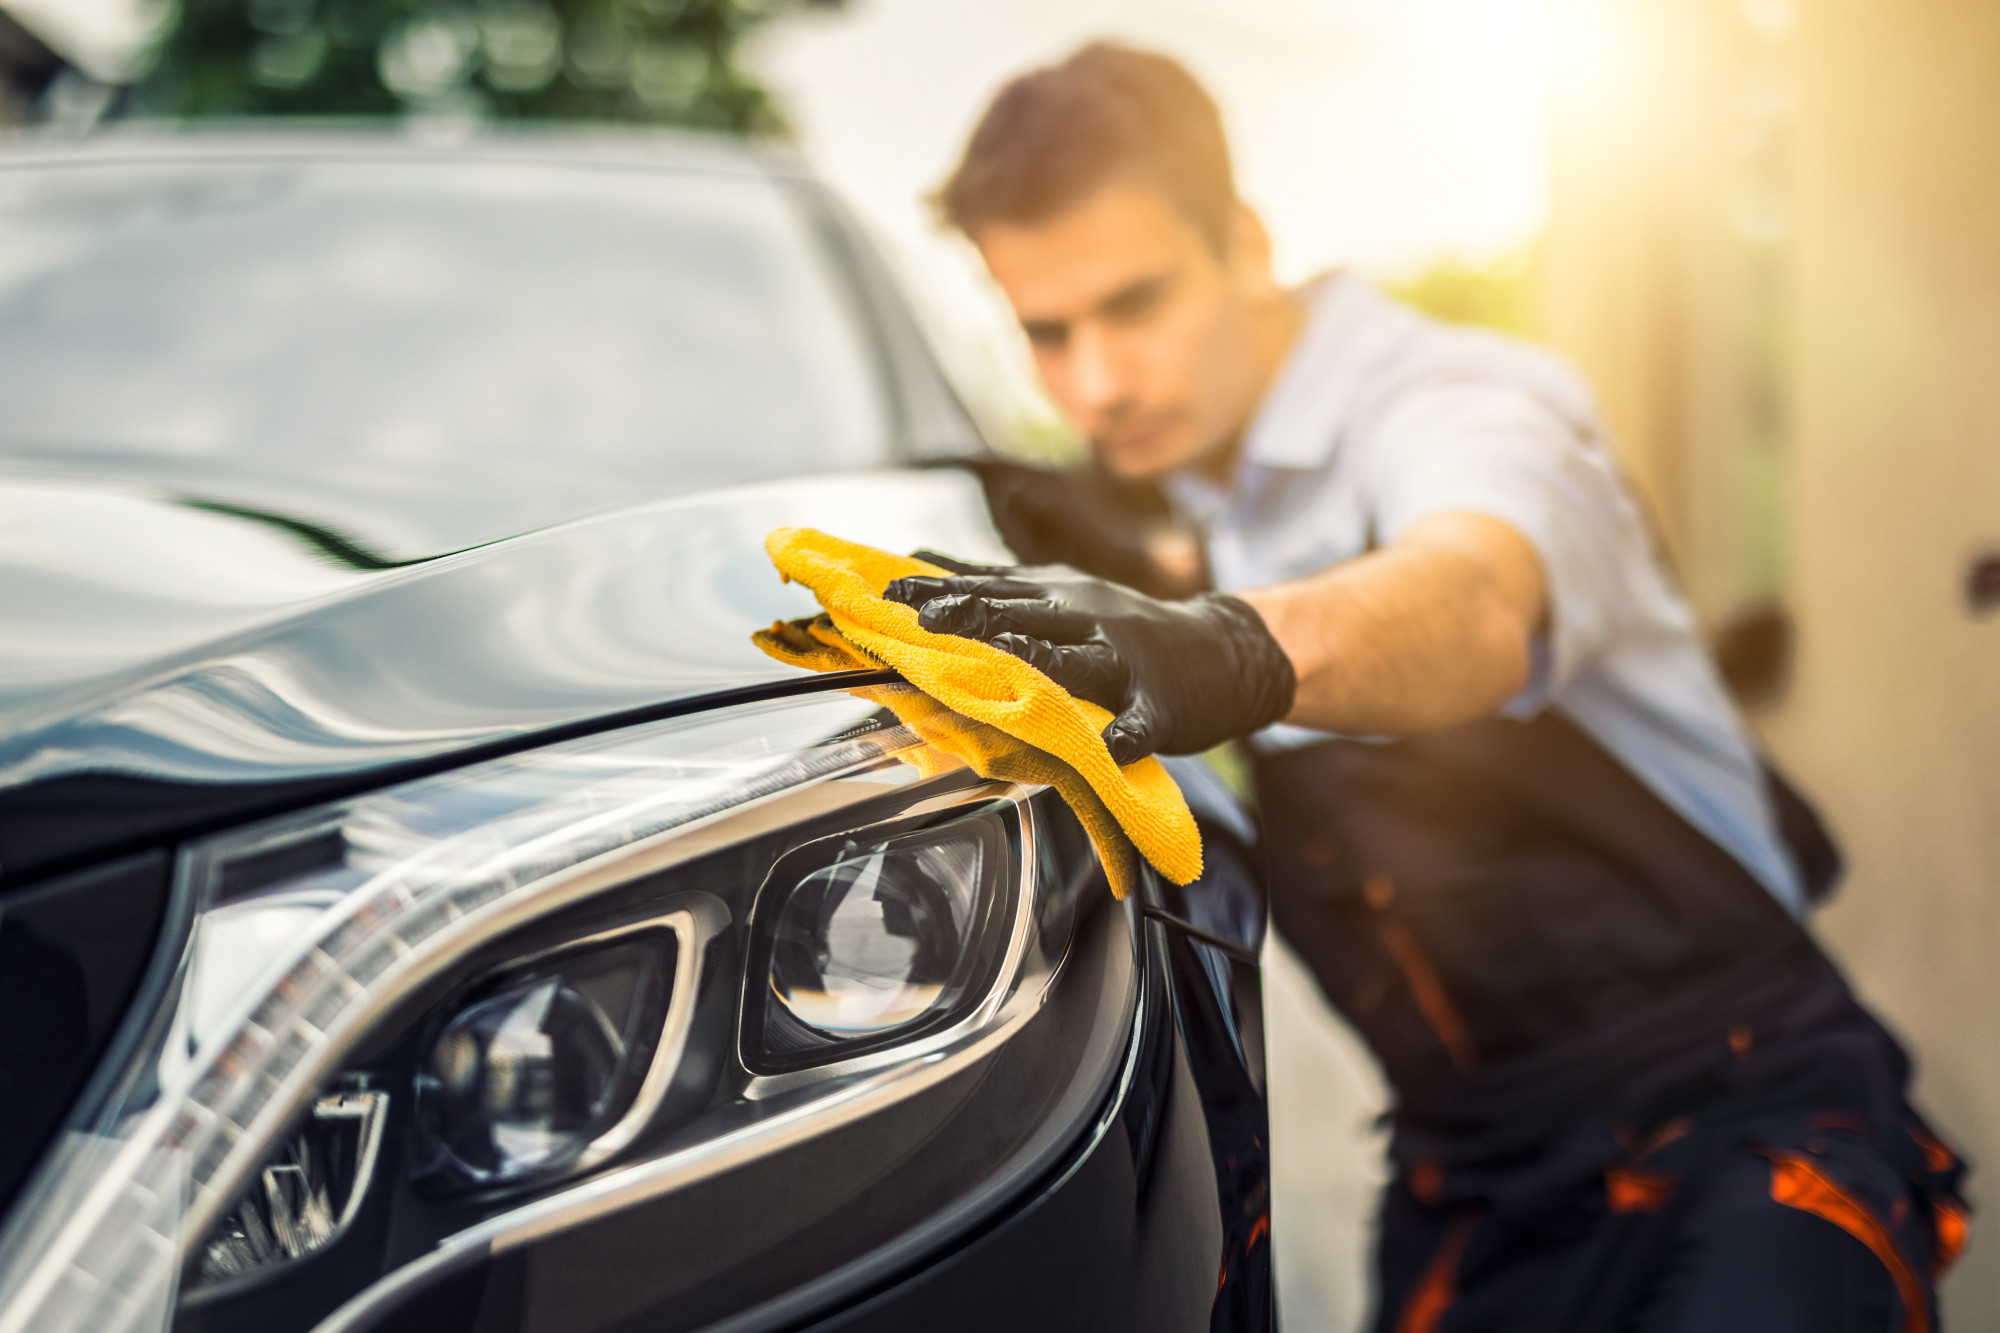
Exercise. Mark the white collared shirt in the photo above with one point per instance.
(1381, 417)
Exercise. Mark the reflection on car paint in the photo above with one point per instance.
(358, 671)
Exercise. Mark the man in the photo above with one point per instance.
(1514, 824)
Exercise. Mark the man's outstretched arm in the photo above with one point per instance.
(1423, 635)
(1431, 632)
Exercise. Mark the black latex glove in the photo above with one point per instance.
(1180, 676)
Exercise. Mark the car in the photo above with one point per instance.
(422, 907)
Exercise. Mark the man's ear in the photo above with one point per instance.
(1249, 257)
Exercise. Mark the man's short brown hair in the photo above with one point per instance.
(1054, 135)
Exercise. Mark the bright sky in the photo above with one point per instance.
(1387, 134)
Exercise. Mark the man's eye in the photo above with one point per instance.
(1049, 337)
(1137, 302)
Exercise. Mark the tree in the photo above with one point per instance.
(656, 61)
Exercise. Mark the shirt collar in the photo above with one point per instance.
(1300, 421)
(1303, 412)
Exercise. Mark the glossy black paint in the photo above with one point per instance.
(1161, 1223)
(1217, 985)
(180, 655)
(72, 953)
(360, 672)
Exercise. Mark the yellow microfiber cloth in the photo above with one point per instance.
(970, 690)
(951, 740)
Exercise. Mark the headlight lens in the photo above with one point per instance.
(876, 938)
(520, 1080)
(869, 943)
(231, 1136)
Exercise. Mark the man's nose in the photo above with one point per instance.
(1093, 372)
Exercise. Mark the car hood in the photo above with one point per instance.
(167, 665)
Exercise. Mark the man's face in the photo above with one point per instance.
(1142, 334)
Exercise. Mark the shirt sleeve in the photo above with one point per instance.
(1499, 450)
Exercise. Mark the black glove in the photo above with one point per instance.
(1181, 676)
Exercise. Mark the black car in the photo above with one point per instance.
(421, 905)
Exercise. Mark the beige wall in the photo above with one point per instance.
(1861, 281)
(1667, 267)
(1775, 248)
(1893, 719)
(1612, 269)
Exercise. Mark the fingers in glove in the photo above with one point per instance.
(982, 617)
(1131, 735)
(1090, 671)
(920, 588)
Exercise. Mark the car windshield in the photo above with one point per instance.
(426, 353)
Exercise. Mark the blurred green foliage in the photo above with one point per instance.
(654, 61)
(1505, 295)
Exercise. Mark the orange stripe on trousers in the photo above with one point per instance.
(1433, 1001)
(1798, 1183)
(1425, 1309)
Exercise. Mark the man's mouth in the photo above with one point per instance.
(1136, 438)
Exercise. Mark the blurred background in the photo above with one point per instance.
(1769, 230)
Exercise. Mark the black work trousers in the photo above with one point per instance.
(1794, 1224)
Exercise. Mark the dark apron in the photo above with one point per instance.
(1555, 969)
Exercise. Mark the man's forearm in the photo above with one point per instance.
(1425, 635)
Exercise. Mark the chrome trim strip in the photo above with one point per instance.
(621, 1189)
(693, 928)
(1140, 1016)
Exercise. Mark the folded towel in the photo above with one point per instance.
(971, 690)
(952, 740)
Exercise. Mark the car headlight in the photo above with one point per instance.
(868, 941)
(299, 1203)
(544, 1069)
(547, 986)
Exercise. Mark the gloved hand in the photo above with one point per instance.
(1180, 676)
